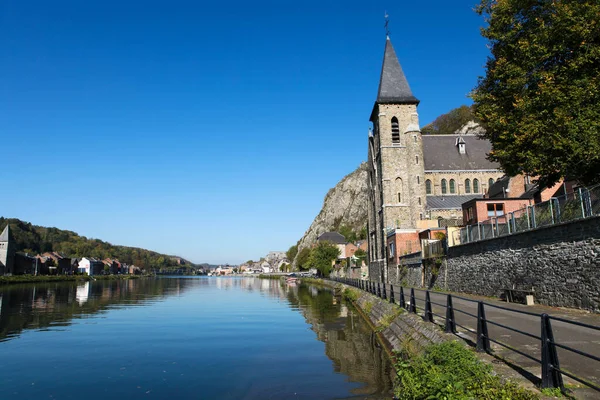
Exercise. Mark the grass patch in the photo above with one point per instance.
(452, 372)
(387, 320)
(350, 294)
(368, 307)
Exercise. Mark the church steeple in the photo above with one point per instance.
(393, 86)
(5, 235)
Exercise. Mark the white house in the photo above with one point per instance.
(90, 266)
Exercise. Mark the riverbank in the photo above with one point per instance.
(4, 280)
(428, 360)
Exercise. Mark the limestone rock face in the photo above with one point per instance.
(470, 128)
(345, 204)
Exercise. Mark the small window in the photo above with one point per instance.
(475, 185)
(428, 186)
(395, 131)
(495, 209)
(467, 186)
(490, 183)
(419, 201)
(444, 186)
(416, 159)
(415, 138)
(399, 197)
(418, 180)
(452, 186)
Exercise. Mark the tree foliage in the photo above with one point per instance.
(38, 239)
(540, 96)
(292, 252)
(449, 123)
(302, 258)
(322, 256)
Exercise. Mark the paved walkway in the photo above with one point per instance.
(577, 337)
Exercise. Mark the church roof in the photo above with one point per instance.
(449, 202)
(4, 237)
(333, 237)
(393, 86)
(441, 153)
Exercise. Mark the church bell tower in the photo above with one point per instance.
(396, 179)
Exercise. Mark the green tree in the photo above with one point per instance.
(292, 252)
(362, 235)
(540, 96)
(360, 254)
(302, 258)
(449, 123)
(322, 257)
(347, 232)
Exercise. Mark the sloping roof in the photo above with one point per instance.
(332, 237)
(498, 189)
(5, 236)
(441, 153)
(449, 202)
(393, 86)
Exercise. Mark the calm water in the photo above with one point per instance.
(185, 338)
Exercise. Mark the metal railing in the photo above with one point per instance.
(583, 203)
(551, 372)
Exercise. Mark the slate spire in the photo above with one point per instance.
(393, 86)
(5, 236)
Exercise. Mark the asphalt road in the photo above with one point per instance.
(577, 337)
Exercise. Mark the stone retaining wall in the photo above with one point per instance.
(560, 262)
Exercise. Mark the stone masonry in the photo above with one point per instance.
(560, 262)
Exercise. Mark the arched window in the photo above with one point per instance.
(475, 185)
(444, 186)
(428, 186)
(490, 183)
(395, 131)
(398, 185)
(452, 186)
(467, 186)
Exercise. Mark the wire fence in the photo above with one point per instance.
(453, 317)
(583, 203)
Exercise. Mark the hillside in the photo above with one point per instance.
(344, 205)
(35, 239)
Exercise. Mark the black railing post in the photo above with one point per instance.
(450, 322)
(383, 293)
(428, 313)
(378, 290)
(391, 293)
(483, 341)
(551, 377)
(402, 302)
(413, 302)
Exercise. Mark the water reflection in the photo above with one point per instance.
(208, 313)
(42, 305)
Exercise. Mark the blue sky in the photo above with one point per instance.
(210, 130)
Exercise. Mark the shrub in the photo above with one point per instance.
(451, 371)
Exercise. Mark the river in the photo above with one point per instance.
(186, 338)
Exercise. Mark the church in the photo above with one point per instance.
(415, 181)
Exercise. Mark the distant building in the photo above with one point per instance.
(90, 266)
(7, 252)
(337, 239)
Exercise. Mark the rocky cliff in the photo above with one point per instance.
(345, 204)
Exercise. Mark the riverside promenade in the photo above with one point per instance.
(526, 319)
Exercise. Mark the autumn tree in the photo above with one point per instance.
(540, 96)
